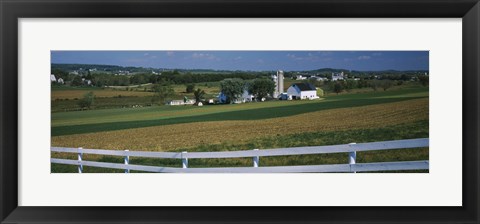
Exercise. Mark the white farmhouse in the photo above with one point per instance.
(181, 102)
(300, 77)
(300, 91)
(245, 97)
(318, 78)
(52, 78)
(338, 76)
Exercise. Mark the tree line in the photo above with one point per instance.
(173, 77)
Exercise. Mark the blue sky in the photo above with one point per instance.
(252, 60)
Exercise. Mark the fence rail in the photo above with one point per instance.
(255, 154)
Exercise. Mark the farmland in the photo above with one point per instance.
(357, 116)
(64, 98)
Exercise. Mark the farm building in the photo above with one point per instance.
(338, 76)
(60, 81)
(180, 102)
(318, 78)
(246, 97)
(285, 96)
(300, 77)
(52, 78)
(302, 91)
(278, 80)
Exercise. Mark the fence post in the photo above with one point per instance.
(184, 160)
(256, 159)
(352, 157)
(80, 166)
(126, 161)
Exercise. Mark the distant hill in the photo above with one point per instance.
(131, 69)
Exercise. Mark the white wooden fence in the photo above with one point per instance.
(255, 154)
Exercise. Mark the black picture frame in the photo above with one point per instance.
(11, 11)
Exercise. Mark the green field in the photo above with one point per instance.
(398, 113)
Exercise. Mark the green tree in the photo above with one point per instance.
(374, 84)
(423, 80)
(198, 95)
(350, 84)
(87, 100)
(260, 88)
(162, 92)
(77, 81)
(362, 83)
(190, 88)
(338, 87)
(232, 88)
(386, 84)
(89, 75)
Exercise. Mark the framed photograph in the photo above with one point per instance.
(251, 112)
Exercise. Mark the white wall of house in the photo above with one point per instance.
(246, 97)
(311, 94)
(180, 102)
(297, 94)
(292, 91)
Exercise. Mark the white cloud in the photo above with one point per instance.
(377, 54)
(170, 53)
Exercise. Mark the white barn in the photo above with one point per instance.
(301, 91)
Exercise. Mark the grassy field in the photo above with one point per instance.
(400, 113)
(110, 120)
(65, 98)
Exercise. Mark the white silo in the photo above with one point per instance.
(280, 82)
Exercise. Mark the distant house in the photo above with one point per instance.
(52, 78)
(300, 77)
(318, 78)
(60, 81)
(338, 76)
(245, 97)
(300, 91)
(180, 102)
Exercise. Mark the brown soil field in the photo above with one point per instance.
(182, 136)
(72, 94)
